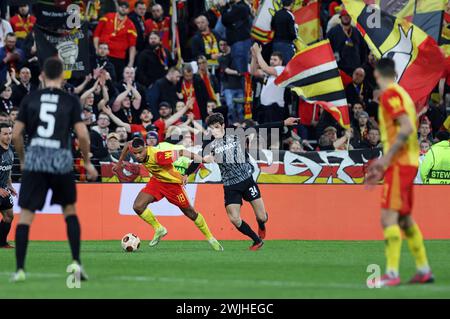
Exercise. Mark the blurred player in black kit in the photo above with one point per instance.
(47, 117)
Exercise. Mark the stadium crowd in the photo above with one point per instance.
(141, 83)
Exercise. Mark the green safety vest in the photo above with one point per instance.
(435, 168)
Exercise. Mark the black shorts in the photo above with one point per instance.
(247, 190)
(6, 203)
(35, 185)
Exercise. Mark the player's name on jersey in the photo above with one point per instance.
(6, 168)
(49, 143)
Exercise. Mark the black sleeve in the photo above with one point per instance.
(292, 31)
(193, 167)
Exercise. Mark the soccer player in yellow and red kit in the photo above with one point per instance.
(166, 182)
(398, 165)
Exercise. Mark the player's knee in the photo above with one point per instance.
(138, 208)
(235, 220)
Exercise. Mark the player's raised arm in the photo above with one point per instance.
(84, 140)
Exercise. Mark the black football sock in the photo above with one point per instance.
(21, 244)
(262, 224)
(246, 230)
(74, 234)
(4, 231)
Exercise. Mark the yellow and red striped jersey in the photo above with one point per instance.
(160, 166)
(394, 102)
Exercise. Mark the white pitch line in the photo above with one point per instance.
(270, 283)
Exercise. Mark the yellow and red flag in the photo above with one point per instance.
(417, 56)
(307, 18)
(314, 75)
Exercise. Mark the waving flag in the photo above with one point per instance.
(307, 18)
(418, 58)
(426, 14)
(314, 75)
(261, 30)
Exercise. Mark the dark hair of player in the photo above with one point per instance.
(5, 125)
(386, 68)
(53, 68)
(137, 142)
(215, 118)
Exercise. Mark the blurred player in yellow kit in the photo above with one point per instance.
(398, 166)
(166, 182)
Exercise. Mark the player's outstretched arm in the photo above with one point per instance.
(84, 141)
(18, 141)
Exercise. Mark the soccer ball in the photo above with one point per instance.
(130, 242)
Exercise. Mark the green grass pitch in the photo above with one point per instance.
(190, 269)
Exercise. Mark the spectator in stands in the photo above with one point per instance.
(160, 24)
(22, 23)
(23, 87)
(164, 89)
(127, 112)
(151, 138)
(425, 146)
(131, 89)
(348, 44)
(88, 98)
(357, 91)
(209, 80)
(6, 103)
(123, 135)
(98, 136)
(205, 42)
(285, 31)
(4, 117)
(372, 141)
(272, 96)
(154, 62)
(88, 116)
(236, 17)
(325, 143)
(231, 84)
(118, 31)
(357, 108)
(5, 28)
(102, 62)
(11, 57)
(330, 136)
(362, 129)
(146, 118)
(138, 19)
(193, 87)
(113, 145)
(296, 147)
(425, 132)
(13, 114)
